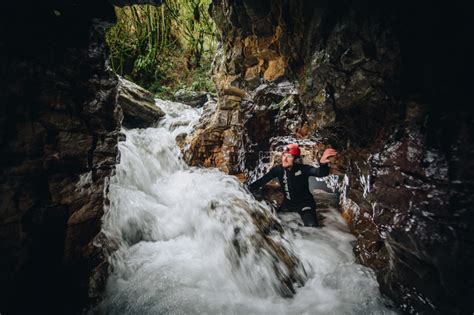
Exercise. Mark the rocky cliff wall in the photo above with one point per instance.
(59, 131)
(387, 85)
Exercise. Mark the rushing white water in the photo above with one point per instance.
(175, 231)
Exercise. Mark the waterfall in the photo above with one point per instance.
(189, 240)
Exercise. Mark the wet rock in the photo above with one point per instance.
(218, 128)
(138, 105)
(232, 90)
(267, 239)
(191, 98)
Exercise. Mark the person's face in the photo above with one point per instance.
(287, 160)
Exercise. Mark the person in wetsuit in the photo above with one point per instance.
(293, 178)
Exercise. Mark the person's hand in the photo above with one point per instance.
(326, 154)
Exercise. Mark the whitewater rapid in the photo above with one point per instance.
(174, 228)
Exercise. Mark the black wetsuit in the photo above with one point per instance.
(294, 183)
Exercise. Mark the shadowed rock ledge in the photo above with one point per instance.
(59, 130)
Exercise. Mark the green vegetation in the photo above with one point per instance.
(164, 48)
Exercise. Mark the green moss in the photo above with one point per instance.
(320, 98)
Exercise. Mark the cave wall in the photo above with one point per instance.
(59, 130)
(387, 85)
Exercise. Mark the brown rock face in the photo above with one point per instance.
(59, 127)
(138, 105)
(218, 128)
(385, 86)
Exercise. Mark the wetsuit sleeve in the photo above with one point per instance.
(272, 173)
(321, 171)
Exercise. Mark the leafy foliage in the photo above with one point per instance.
(164, 48)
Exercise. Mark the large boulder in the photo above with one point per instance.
(138, 105)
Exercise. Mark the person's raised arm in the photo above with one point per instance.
(323, 169)
(272, 173)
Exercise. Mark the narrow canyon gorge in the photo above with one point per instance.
(385, 84)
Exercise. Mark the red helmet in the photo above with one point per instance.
(293, 149)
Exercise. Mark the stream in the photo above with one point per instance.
(186, 242)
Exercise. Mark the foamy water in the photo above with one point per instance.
(175, 229)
